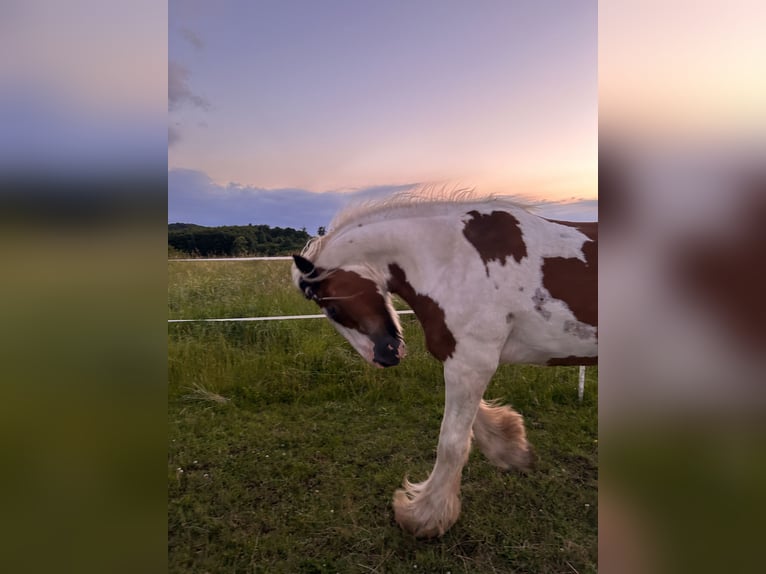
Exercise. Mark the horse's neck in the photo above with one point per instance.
(419, 246)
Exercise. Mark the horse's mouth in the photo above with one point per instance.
(386, 362)
(389, 353)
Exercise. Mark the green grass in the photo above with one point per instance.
(285, 447)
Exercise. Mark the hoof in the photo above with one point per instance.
(423, 516)
(525, 460)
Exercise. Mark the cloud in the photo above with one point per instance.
(194, 198)
(193, 38)
(179, 92)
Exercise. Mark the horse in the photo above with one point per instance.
(491, 282)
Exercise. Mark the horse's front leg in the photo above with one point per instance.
(428, 509)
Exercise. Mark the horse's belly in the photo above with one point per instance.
(549, 347)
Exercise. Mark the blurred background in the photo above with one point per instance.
(83, 155)
(682, 186)
(83, 169)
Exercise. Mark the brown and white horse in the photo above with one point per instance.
(490, 282)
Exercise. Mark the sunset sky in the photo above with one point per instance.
(273, 100)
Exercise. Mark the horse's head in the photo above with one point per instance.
(357, 305)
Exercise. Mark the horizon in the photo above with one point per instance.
(209, 205)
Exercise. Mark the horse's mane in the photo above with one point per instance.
(422, 195)
(429, 195)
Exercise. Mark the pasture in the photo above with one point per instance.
(285, 447)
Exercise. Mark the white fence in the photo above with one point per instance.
(272, 318)
(286, 258)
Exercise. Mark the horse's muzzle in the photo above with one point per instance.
(386, 351)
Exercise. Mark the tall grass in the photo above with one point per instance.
(285, 447)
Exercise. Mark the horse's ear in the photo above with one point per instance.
(304, 265)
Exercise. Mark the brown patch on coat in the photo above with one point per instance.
(573, 281)
(496, 237)
(353, 301)
(439, 339)
(571, 360)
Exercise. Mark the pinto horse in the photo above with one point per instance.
(490, 282)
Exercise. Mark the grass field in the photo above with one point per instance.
(285, 447)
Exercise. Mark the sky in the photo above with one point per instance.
(280, 112)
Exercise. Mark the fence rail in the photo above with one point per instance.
(279, 258)
(273, 318)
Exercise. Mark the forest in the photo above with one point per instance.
(191, 240)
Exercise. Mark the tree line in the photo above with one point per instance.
(188, 239)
